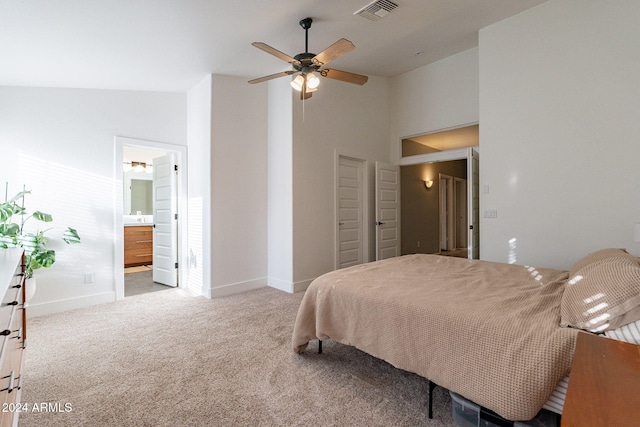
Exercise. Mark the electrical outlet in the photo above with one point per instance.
(490, 213)
(88, 277)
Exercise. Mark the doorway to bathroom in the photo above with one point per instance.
(148, 217)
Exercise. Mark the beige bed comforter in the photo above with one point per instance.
(488, 331)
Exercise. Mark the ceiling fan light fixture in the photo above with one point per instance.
(312, 81)
(297, 82)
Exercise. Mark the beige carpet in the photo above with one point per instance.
(171, 359)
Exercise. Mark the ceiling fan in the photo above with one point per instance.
(309, 65)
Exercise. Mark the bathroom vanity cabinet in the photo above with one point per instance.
(138, 245)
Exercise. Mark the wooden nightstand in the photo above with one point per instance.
(604, 384)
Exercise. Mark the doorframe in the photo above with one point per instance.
(118, 203)
(446, 226)
(462, 226)
(365, 205)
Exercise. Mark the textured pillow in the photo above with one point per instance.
(600, 255)
(602, 295)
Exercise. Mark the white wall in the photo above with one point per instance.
(227, 128)
(559, 134)
(280, 185)
(352, 120)
(438, 96)
(60, 144)
(238, 185)
(199, 187)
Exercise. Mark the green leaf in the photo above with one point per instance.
(41, 216)
(6, 211)
(71, 236)
(43, 258)
(19, 196)
(29, 242)
(10, 229)
(7, 242)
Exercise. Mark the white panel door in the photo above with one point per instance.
(165, 230)
(387, 210)
(473, 202)
(350, 195)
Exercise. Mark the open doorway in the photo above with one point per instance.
(149, 238)
(431, 215)
(439, 197)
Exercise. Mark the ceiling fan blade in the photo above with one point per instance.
(275, 52)
(272, 76)
(334, 51)
(344, 76)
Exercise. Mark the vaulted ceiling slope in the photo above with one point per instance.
(170, 45)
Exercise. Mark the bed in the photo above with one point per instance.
(501, 335)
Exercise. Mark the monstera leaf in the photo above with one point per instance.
(42, 258)
(41, 216)
(10, 229)
(70, 236)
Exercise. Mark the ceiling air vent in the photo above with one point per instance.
(376, 10)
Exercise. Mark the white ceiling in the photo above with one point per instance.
(170, 45)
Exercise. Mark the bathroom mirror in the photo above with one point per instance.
(141, 197)
(138, 193)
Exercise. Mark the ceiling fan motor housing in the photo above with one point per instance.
(306, 23)
(304, 62)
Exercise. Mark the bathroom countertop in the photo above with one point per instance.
(137, 224)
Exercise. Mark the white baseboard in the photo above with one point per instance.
(282, 285)
(289, 287)
(235, 288)
(35, 310)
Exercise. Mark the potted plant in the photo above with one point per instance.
(13, 235)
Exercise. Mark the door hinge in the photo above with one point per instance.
(175, 216)
(176, 265)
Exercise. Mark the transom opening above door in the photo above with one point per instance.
(463, 137)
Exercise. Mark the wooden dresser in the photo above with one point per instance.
(13, 333)
(138, 245)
